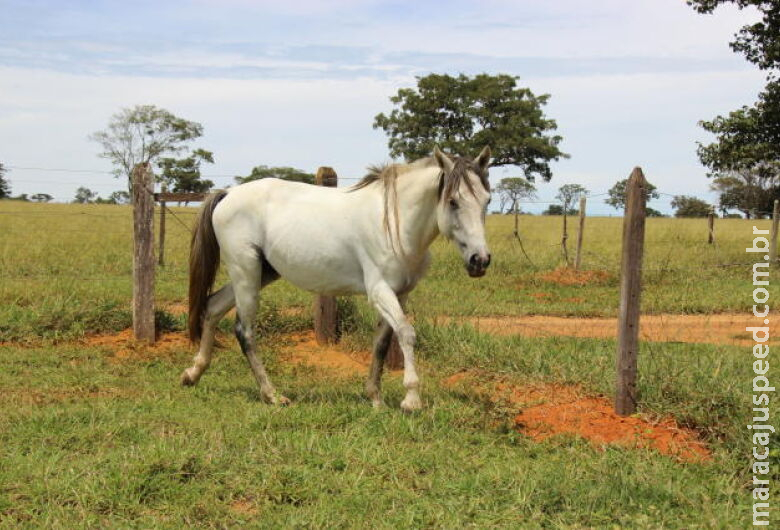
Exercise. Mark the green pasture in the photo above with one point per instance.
(90, 441)
(67, 269)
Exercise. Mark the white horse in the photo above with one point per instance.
(372, 238)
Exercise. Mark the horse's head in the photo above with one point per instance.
(464, 193)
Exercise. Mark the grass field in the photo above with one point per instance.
(87, 440)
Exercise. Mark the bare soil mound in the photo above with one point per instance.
(545, 410)
(331, 358)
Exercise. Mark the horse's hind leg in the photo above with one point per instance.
(382, 339)
(219, 303)
(246, 279)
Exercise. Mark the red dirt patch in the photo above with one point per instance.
(707, 329)
(542, 411)
(124, 346)
(569, 276)
(330, 358)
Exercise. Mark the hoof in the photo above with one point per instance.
(186, 380)
(377, 403)
(276, 399)
(411, 404)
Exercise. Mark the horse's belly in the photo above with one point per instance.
(319, 272)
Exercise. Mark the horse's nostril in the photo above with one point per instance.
(473, 260)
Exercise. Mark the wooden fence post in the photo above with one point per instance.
(630, 291)
(773, 235)
(325, 308)
(565, 237)
(143, 253)
(578, 258)
(161, 253)
(711, 227)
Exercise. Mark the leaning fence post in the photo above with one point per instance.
(630, 291)
(711, 227)
(325, 309)
(578, 258)
(161, 253)
(773, 235)
(143, 253)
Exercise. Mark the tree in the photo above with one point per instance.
(749, 138)
(617, 194)
(119, 197)
(5, 186)
(512, 190)
(463, 114)
(183, 175)
(745, 191)
(688, 206)
(284, 173)
(553, 209)
(42, 197)
(652, 212)
(84, 196)
(141, 135)
(568, 194)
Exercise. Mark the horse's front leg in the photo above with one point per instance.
(389, 307)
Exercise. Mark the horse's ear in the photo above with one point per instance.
(483, 160)
(443, 160)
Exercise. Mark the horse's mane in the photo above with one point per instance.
(387, 175)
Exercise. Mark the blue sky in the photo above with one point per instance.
(298, 83)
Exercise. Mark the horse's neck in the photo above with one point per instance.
(417, 200)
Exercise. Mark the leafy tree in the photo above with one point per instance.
(688, 206)
(42, 197)
(84, 196)
(569, 194)
(119, 197)
(617, 194)
(463, 114)
(183, 175)
(553, 209)
(652, 212)
(5, 186)
(749, 138)
(143, 134)
(284, 173)
(512, 190)
(745, 191)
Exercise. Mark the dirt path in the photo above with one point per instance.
(726, 328)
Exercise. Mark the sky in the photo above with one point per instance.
(298, 83)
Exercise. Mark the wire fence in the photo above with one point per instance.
(184, 221)
(77, 173)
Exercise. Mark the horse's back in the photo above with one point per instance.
(311, 235)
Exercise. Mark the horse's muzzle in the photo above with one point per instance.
(477, 265)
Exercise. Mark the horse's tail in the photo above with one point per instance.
(204, 262)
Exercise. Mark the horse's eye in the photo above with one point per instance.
(453, 204)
